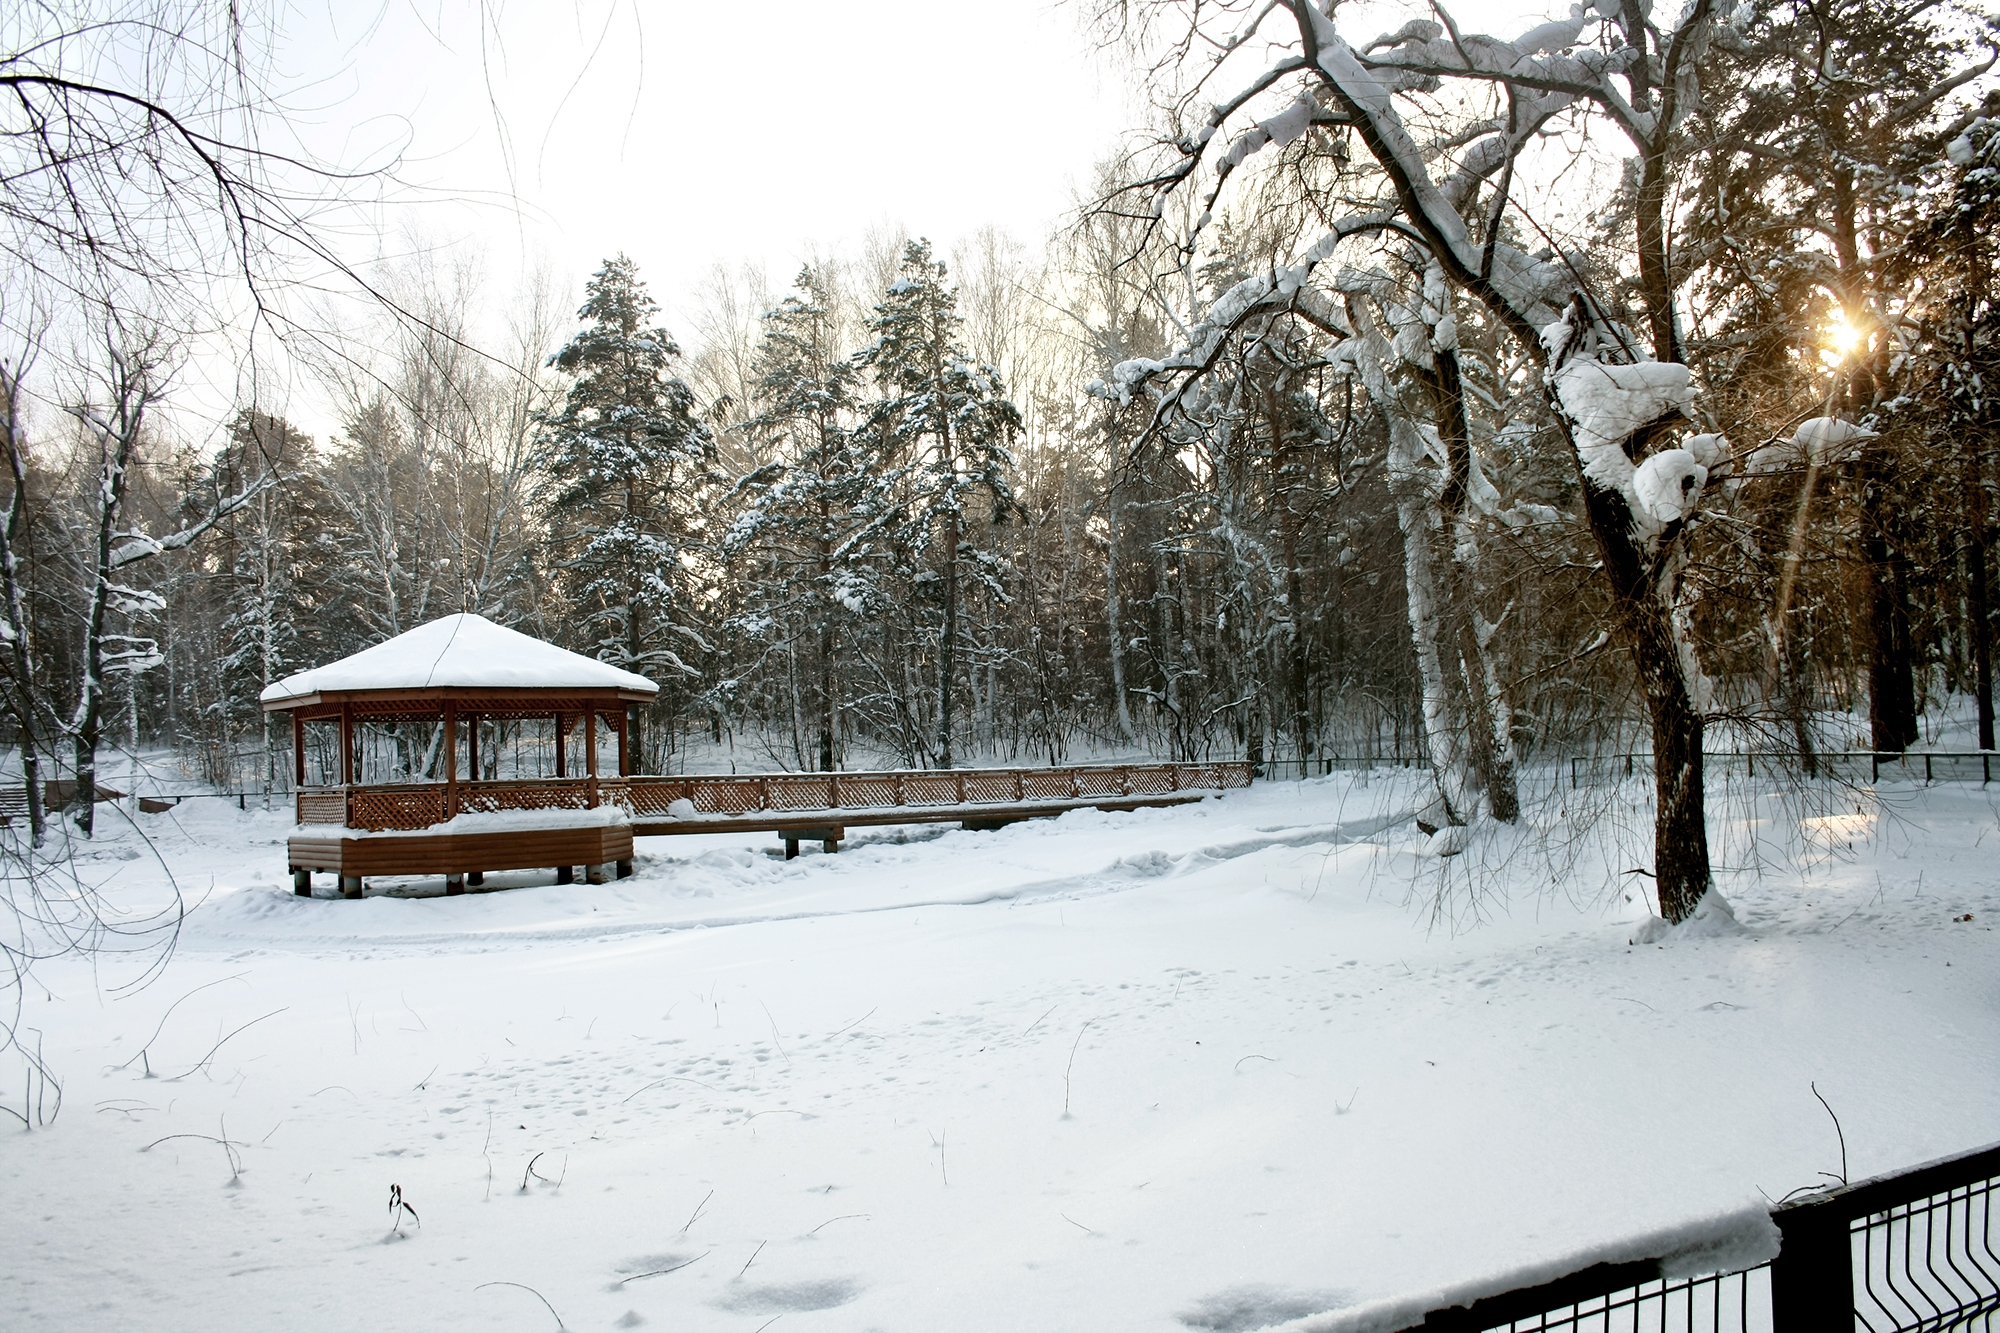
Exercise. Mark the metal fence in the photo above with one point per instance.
(1909, 1252)
(1845, 765)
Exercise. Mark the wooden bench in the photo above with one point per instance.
(462, 858)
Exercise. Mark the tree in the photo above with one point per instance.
(1617, 411)
(1821, 124)
(790, 536)
(624, 464)
(945, 426)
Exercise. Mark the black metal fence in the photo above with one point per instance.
(1909, 1252)
(1844, 765)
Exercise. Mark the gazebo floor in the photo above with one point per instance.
(455, 855)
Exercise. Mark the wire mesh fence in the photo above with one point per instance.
(1908, 1252)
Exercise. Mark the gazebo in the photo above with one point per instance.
(455, 749)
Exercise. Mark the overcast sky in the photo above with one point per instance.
(687, 133)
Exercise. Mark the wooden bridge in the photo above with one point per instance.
(336, 821)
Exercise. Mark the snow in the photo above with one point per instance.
(491, 821)
(1668, 484)
(1249, 1061)
(459, 652)
(1726, 1242)
(1827, 440)
(1608, 402)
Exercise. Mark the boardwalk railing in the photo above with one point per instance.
(420, 805)
(1908, 1252)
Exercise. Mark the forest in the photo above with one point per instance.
(1620, 386)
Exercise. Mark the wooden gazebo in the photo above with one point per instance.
(453, 749)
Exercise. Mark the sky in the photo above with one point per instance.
(695, 135)
(687, 134)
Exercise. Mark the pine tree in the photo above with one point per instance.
(945, 426)
(623, 466)
(798, 508)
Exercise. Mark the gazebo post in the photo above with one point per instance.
(298, 750)
(590, 757)
(450, 758)
(472, 748)
(624, 868)
(347, 764)
(564, 874)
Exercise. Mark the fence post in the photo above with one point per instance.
(1750, 758)
(1927, 766)
(1874, 765)
(1812, 1279)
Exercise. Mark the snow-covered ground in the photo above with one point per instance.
(1214, 1067)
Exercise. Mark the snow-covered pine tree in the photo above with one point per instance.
(945, 425)
(798, 509)
(623, 465)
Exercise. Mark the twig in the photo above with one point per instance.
(202, 1063)
(855, 1024)
(1340, 1109)
(671, 1078)
(423, 1082)
(235, 1165)
(1266, 1058)
(844, 1217)
(1038, 1022)
(1072, 1064)
(751, 1260)
(539, 1176)
(161, 1027)
(662, 1272)
(560, 1325)
(696, 1213)
(774, 1032)
(1078, 1225)
(1838, 1133)
(768, 1322)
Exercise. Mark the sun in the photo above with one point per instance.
(1842, 339)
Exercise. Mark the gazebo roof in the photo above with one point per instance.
(461, 652)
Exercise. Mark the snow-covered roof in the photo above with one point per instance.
(459, 652)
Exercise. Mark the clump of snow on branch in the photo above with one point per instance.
(1607, 403)
(1825, 440)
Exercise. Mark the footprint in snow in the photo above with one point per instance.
(791, 1297)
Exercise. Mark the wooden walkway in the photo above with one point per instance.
(798, 807)
(820, 807)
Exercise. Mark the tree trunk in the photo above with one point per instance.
(948, 647)
(1680, 829)
(1892, 703)
(1978, 602)
(22, 697)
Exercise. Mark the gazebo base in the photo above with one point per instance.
(457, 855)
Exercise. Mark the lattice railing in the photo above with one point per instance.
(487, 797)
(420, 805)
(322, 807)
(410, 807)
(780, 793)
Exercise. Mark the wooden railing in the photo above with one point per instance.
(419, 805)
